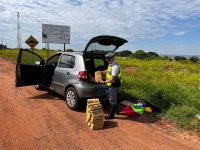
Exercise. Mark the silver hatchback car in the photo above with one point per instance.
(70, 74)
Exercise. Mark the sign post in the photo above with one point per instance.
(32, 42)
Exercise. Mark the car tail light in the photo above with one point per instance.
(82, 75)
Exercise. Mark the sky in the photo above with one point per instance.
(166, 27)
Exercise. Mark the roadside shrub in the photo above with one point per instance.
(152, 54)
(194, 59)
(69, 50)
(124, 53)
(166, 58)
(179, 58)
(140, 54)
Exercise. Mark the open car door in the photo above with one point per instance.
(29, 68)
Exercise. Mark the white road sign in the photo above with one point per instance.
(55, 34)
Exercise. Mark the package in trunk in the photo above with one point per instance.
(100, 76)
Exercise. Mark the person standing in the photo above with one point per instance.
(113, 81)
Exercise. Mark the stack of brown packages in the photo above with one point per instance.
(99, 76)
(94, 114)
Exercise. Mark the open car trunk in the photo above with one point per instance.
(95, 51)
(94, 64)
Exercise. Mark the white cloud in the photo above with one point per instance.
(179, 33)
(130, 19)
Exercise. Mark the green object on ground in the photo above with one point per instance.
(137, 108)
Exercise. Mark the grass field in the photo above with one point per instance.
(173, 86)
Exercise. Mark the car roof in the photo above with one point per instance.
(72, 53)
(81, 53)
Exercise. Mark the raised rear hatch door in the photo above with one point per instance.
(103, 44)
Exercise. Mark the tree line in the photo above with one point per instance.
(140, 54)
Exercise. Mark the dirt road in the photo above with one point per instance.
(40, 120)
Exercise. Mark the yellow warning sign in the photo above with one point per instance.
(31, 41)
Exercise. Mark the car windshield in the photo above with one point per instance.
(98, 47)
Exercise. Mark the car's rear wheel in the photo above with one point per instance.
(72, 98)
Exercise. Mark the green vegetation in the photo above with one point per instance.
(124, 53)
(174, 86)
(12, 54)
(194, 59)
(141, 54)
(179, 58)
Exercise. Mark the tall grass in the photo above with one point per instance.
(12, 54)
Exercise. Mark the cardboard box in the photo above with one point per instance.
(100, 76)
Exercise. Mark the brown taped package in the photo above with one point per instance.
(100, 76)
(94, 114)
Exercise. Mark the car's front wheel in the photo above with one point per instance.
(72, 98)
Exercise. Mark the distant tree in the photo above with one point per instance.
(194, 59)
(117, 53)
(152, 54)
(124, 53)
(70, 50)
(179, 58)
(140, 54)
(167, 58)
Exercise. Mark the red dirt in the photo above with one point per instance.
(34, 120)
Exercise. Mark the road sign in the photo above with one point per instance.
(55, 34)
(31, 41)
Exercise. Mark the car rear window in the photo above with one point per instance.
(98, 62)
(95, 64)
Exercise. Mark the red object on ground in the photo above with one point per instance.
(129, 111)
